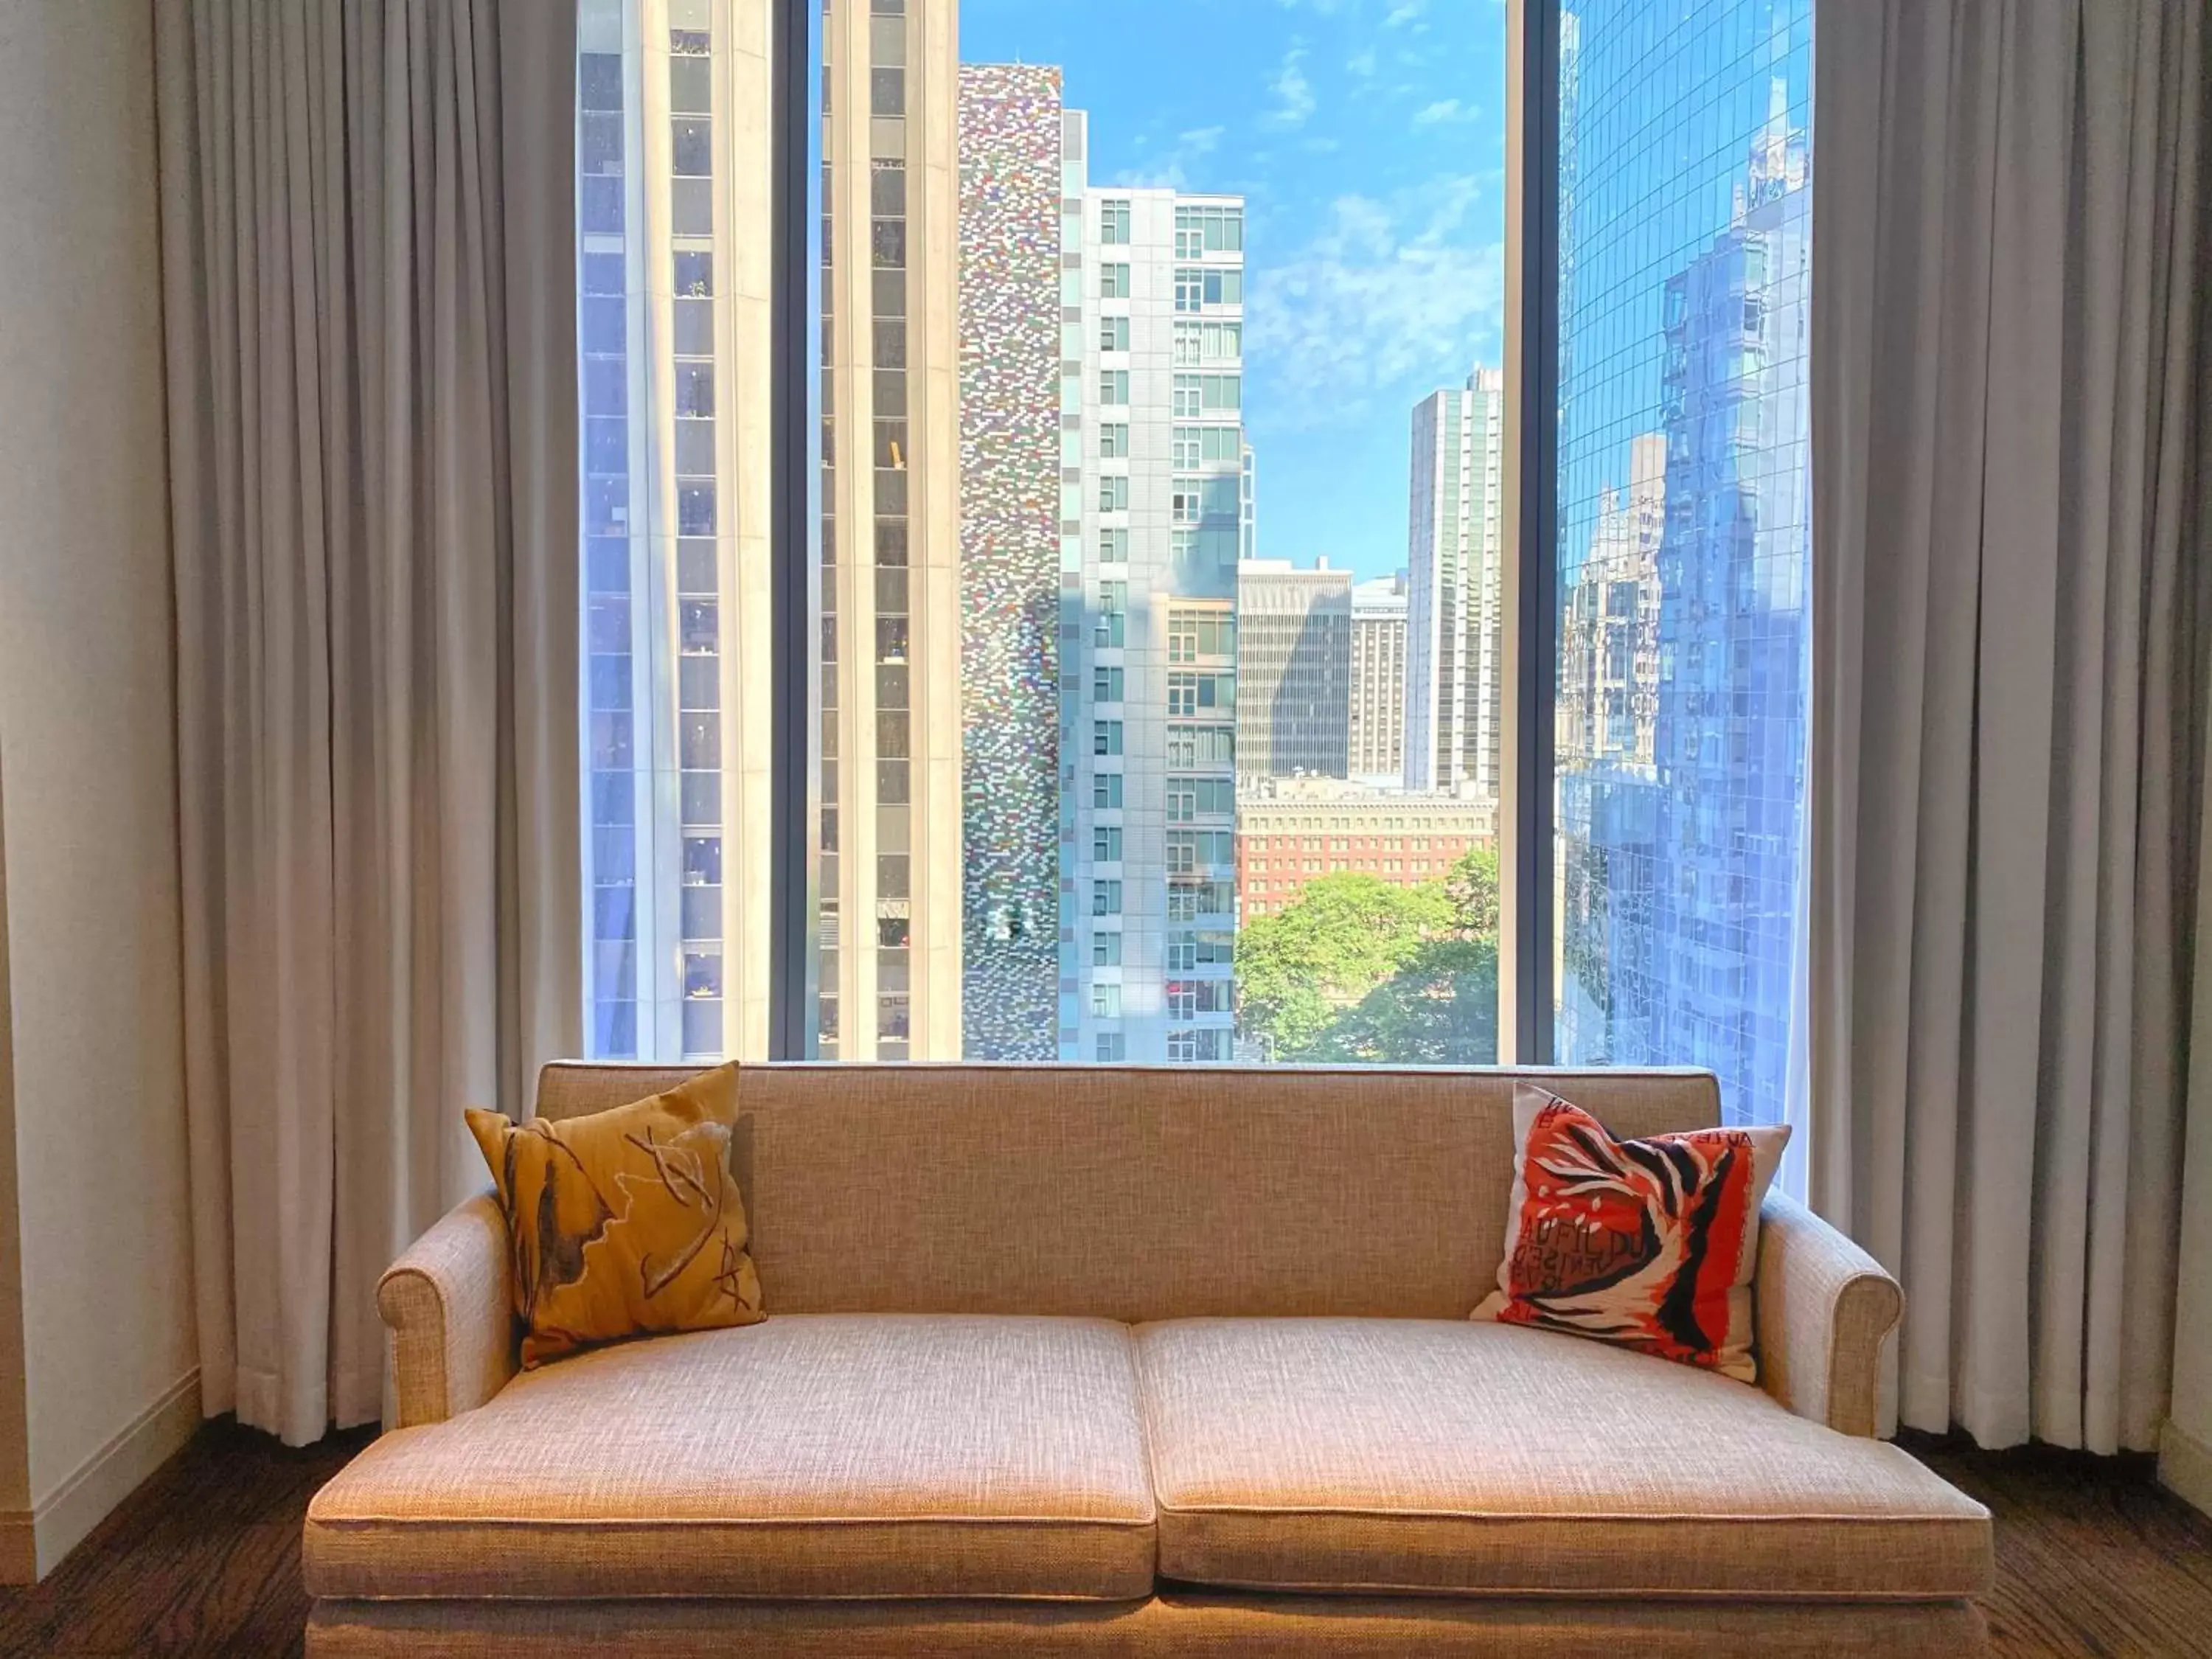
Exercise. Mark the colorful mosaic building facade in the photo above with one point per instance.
(1010, 463)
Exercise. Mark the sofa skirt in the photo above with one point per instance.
(1177, 1624)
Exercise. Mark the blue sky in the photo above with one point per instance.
(1368, 137)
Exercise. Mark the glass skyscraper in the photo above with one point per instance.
(1685, 224)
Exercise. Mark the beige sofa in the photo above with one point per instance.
(1133, 1361)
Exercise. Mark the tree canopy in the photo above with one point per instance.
(1358, 969)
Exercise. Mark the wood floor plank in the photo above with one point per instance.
(2094, 1560)
(203, 1559)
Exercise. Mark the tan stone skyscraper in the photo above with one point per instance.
(890, 821)
(674, 229)
(673, 238)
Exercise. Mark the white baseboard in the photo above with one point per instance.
(2185, 1466)
(33, 1542)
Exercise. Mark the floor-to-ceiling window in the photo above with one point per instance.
(1155, 700)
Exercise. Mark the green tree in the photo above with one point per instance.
(1440, 1008)
(1327, 950)
(1472, 886)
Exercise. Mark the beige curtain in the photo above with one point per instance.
(367, 261)
(2011, 602)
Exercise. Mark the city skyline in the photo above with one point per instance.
(1368, 140)
(1065, 359)
(1068, 662)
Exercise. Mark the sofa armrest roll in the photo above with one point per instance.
(449, 1304)
(1824, 1308)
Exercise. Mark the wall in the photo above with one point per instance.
(18, 1547)
(2185, 1453)
(87, 730)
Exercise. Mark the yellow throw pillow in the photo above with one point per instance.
(627, 1222)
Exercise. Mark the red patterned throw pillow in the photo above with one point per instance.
(1647, 1243)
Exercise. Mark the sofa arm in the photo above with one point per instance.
(449, 1302)
(1824, 1307)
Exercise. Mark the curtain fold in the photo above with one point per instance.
(2011, 602)
(368, 256)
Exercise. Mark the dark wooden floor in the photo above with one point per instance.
(2093, 1559)
(2093, 1556)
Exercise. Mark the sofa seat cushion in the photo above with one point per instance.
(843, 1455)
(1451, 1457)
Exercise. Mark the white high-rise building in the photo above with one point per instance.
(1455, 623)
(1154, 505)
(1377, 732)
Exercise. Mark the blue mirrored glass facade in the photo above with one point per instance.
(1684, 506)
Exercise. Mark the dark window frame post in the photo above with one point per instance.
(1531, 323)
(794, 518)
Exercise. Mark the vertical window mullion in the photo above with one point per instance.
(1532, 380)
(794, 518)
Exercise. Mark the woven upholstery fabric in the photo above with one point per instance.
(1825, 1308)
(450, 1308)
(1234, 1191)
(848, 1457)
(1823, 1305)
(1365, 1455)
(1175, 1625)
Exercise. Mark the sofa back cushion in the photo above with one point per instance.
(1132, 1192)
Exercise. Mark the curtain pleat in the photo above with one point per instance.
(368, 258)
(2010, 601)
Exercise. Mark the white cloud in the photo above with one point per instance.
(1361, 64)
(1387, 291)
(1173, 169)
(1444, 109)
(1294, 93)
(1404, 12)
